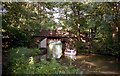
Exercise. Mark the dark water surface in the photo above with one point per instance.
(94, 64)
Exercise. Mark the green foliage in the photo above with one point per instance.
(18, 52)
(22, 60)
(23, 20)
(80, 46)
(18, 59)
(55, 68)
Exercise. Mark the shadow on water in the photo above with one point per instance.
(94, 64)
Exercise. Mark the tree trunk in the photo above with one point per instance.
(39, 13)
(119, 32)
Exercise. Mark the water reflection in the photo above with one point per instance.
(73, 57)
(94, 64)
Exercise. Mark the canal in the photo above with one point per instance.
(94, 64)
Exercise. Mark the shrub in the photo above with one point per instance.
(20, 51)
(80, 46)
(18, 58)
(55, 68)
(21, 60)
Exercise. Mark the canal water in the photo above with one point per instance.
(94, 64)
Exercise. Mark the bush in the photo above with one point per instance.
(18, 58)
(22, 60)
(80, 46)
(18, 52)
(54, 68)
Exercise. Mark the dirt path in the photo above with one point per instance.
(95, 64)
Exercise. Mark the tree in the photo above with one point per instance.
(23, 20)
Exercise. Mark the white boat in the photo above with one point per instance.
(70, 52)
